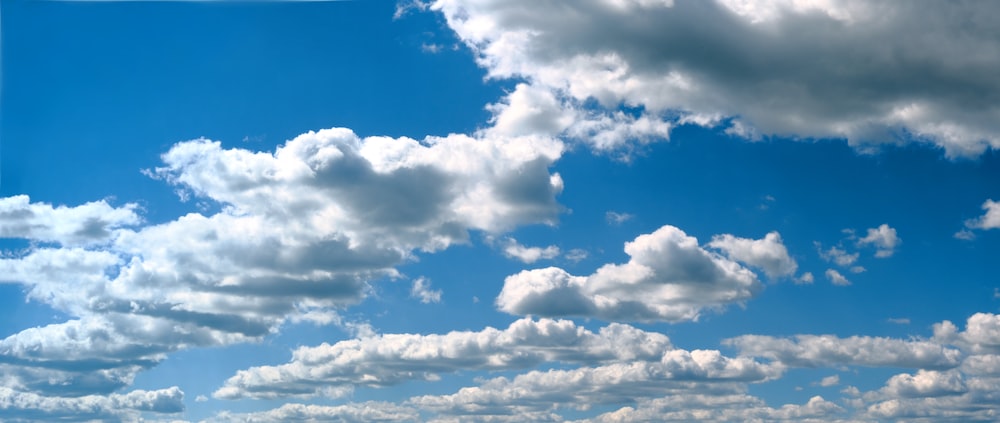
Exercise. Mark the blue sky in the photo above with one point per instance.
(627, 210)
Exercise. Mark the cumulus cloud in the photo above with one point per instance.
(669, 277)
(392, 358)
(883, 238)
(836, 278)
(721, 408)
(758, 69)
(828, 350)
(90, 223)
(768, 253)
(303, 231)
(536, 393)
(26, 406)
(990, 220)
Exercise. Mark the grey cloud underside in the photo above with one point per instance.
(868, 72)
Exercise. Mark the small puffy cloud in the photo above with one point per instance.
(899, 320)
(836, 278)
(669, 277)
(421, 290)
(768, 253)
(512, 249)
(392, 358)
(990, 220)
(883, 238)
(806, 278)
(837, 255)
(830, 381)
(828, 350)
(616, 218)
(28, 406)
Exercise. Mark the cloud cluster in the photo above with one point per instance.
(390, 359)
(785, 68)
(302, 231)
(18, 406)
(669, 277)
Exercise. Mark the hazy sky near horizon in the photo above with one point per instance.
(499, 210)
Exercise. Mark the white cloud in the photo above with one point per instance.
(828, 350)
(421, 290)
(27, 406)
(684, 407)
(768, 253)
(303, 231)
(838, 255)
(576, 254)
(806, 278)
(884, 238)
(776, 55)
(836, 278)
(616, 218)
(830, 381)
(990, 220)
(981, 334)
(390, 359)
(512, 249)
(90, 223)
(348, 413)
(669, 277)
(537, 393)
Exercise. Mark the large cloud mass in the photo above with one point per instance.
(867, 72)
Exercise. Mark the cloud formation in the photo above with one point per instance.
(668, 277)
(768, 254)
(785, 68)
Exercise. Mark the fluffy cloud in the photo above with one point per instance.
(990, 220)
(669, 277)
(828, 350)
(981, 334)
(90, 223)
(883, 238)
(21, 406)
(302, 231)
(838, 255)
(789, 68)
(538, 393)
(768, 253)
(389, 359)
(512, 249)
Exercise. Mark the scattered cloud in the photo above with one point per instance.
(512, 249)
(830, 381)
(669, 277)
(616, 218)
(421, 290)
(829, 351)
(575, 255)
(805, 279)
(883, 238)
(839, 256)
(836, 278)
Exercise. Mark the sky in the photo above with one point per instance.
(499, 210)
